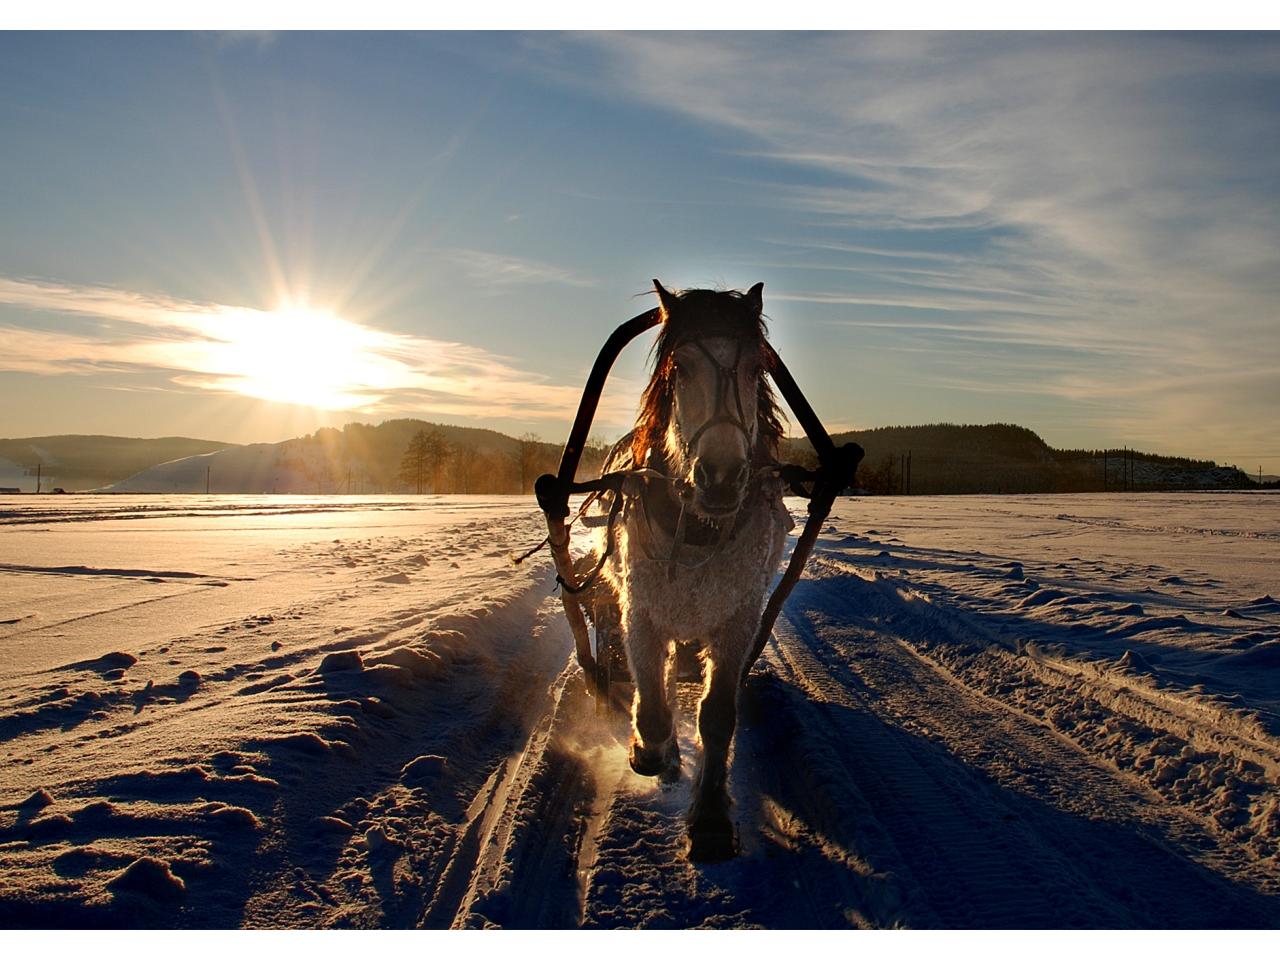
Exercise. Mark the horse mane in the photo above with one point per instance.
(704, 313)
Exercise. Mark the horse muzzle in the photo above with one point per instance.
(719, 489)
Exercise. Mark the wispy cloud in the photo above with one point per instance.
(500, 270)
(282, 355)
(1112, 194)
(261, 39)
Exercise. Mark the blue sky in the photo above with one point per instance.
(1075, 232)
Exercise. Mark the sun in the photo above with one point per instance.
(298, 354)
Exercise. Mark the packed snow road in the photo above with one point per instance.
(976, 712)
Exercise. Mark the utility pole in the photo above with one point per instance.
(206, 479)
(38, 466)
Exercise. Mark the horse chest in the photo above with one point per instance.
(698, 601)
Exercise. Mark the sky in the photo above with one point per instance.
(242, 237)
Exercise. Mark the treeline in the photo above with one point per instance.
(947, 458)
(362, 458)
(414, 456)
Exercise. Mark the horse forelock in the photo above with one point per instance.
(700, 314)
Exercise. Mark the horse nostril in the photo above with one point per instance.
(701, 476)
(743, 473)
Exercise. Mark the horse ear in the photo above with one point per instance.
(665, 297)
(755, 298)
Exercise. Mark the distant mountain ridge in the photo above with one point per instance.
(85, 461)
(365, 458)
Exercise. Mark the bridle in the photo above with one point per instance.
(726, 378)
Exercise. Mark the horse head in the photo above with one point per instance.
(709, 411)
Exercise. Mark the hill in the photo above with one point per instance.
(1006, 458)
(360, 458)
(78, 462)
(363, 458)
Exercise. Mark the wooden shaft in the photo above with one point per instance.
(819, 508)
(558, 538)
(553, 492)
(799, 405)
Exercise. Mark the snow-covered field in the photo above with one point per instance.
(1049, 711)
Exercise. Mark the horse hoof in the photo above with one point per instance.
(645, 764)
(663, 762)
(713, 846)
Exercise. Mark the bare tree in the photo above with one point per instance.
(471, 469)
(426, 451)
(527, 458)
(594, 452)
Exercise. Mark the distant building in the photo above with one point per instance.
(10, 489)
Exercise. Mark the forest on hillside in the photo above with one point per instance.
(390, 458)
(1005, 458)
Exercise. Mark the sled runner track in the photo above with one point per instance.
(1206, 723)
(1212, 771)
(520, 849)
(987, 819)
(955, 842)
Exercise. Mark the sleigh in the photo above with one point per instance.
(588, 602)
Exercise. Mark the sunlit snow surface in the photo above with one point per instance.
(976, 712)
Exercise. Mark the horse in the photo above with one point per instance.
(699, 543)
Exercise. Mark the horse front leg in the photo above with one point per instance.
(711, 832)
(655, 752)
